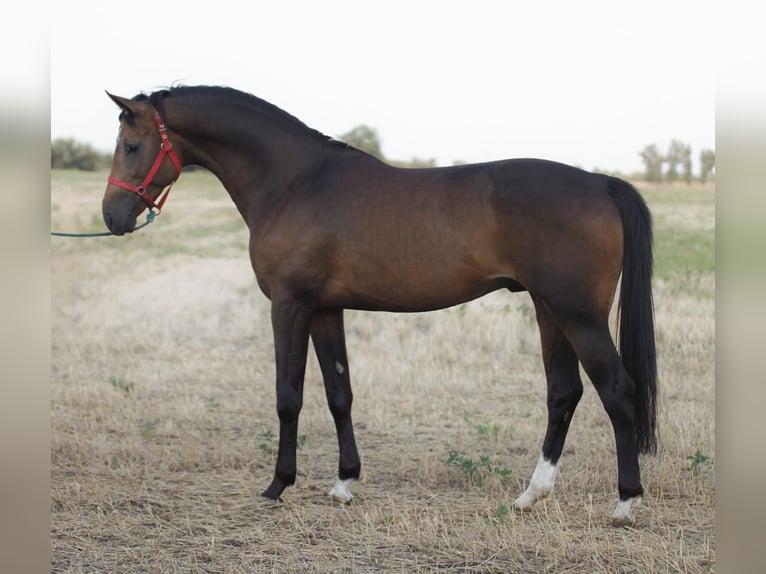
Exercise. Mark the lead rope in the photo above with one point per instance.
(150, 215)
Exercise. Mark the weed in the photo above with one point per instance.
(504, 474)
(213, 403)
(501, 517)
(697, 460)
(480, 470)
(268, 438)
(484, 426)
(121, 384)
(467, 465)
(148, 429)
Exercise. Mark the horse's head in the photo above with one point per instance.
(144, 164)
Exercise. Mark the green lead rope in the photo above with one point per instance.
(150, 215)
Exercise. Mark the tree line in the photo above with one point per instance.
(676, 163)
(66, 153)
(677, 159)
(673, 165)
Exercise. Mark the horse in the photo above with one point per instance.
(332, 228)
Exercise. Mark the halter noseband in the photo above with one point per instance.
(166, 149)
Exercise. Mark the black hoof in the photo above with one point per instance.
(275, 490)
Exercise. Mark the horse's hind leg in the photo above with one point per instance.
(564, 391)
(329, 342)
(598, 355)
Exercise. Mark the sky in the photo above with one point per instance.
(589, 83)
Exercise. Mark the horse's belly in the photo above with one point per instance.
(419, 291)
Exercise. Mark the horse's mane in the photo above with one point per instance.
(226, 94)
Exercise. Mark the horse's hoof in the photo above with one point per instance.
(529, 498)
(267, 501)
(621, 517)
(340, 492)
(524, 503)
(623, 521)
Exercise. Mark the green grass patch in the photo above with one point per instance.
(681, 254)
(684, 238)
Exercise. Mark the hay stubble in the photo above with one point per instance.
(163, 405)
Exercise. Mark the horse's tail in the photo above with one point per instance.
(636, 309)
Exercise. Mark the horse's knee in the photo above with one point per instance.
(288, 409)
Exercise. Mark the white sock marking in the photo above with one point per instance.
(340, 491)
(621, 515)
(540, 486)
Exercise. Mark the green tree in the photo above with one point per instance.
(415, 162)
(66, 153)
(678, 152)
(653, 160)
(707, 164)
(687, 164)
(365, 138)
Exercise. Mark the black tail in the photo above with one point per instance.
(636, 309)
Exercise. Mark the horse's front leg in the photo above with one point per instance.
(329, 341)
(291, 322)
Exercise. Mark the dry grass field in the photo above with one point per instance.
(163, 415)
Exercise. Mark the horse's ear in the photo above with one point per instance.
(127, 106)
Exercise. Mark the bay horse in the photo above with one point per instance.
(333, 228)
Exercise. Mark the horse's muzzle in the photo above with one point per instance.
(120, 210)
(119, 224)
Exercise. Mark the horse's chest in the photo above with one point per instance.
(290, 263)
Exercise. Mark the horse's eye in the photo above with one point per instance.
(131, 148)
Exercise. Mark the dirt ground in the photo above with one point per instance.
(164, 424)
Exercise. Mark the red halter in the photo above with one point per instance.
(166, 149)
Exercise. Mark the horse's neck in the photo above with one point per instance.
(255, 160)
